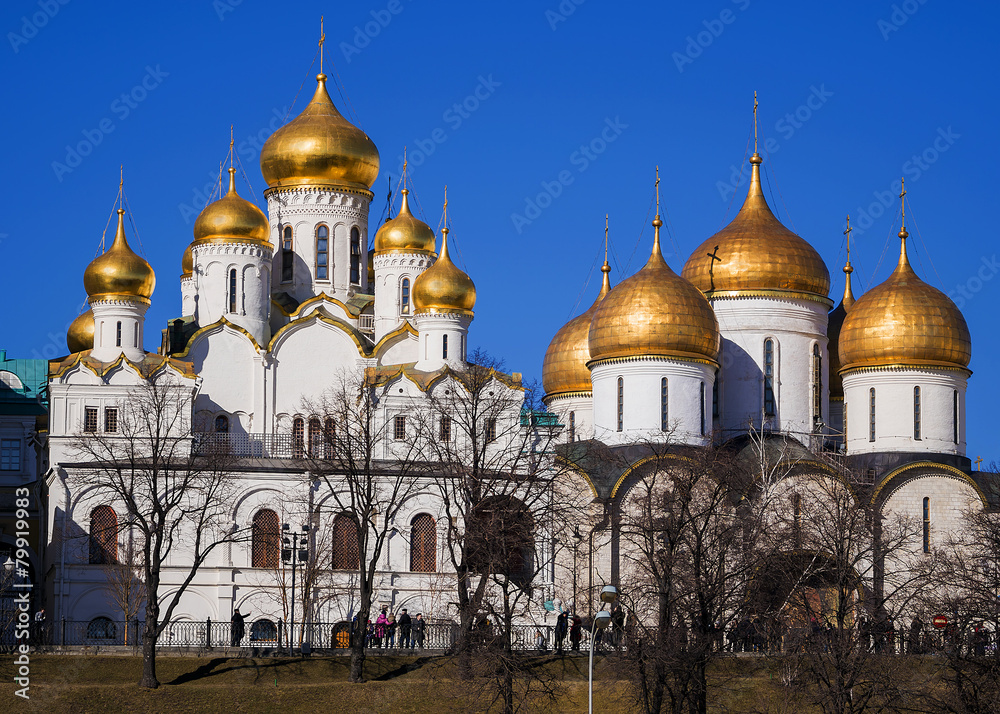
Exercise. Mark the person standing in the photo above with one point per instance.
(390, 628)
(39, 634)
(418, 630)
(405, 625)
(380, 625)
(238, 628)
(562, 627)
(576, 633)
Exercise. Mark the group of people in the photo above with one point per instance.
(387, 627)
(573, 626)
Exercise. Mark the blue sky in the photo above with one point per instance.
(539, 116)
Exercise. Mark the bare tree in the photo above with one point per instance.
(124, 580)
(176, 501)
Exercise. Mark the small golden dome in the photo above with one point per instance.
(904, 321)
(118, 272)
(443, 287)
(80, 335)
(187, 262)
(405, 233)
(231, 219)
(319, 147)
(834, 326)
(756, 254)
(656, 313)
(565, 366)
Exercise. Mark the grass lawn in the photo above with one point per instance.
(107, 683)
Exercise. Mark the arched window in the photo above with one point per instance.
(701, 404)
(232, 290)
(490, 430)
(329, 434)
(355, 256)
(345, 543)
(954, 416)
(322, 252)
(222, 424)
(118, 334)
(927, 525)
(715, 396)
(500, 538)
(287, 256)
(101, 628)
(263, 631)
(572, 426)
(423, 544)
(768, 377)
(298, 437)
(444, 346)
(797, 518)
(871, 414)
(264, 545)
(621, 404)
(817, 380)
(916, 413)
(315, 438)
(103, 536)
(663, 404)
(404, 296)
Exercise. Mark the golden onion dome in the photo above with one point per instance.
(80, 335)
(904, 321)
(118, 272)
(564, 369)
(319, 147)
(835, 324)
(756, 255)
(655, 313)
(405, 233)
(231, 219)
(187, 262)
(443, 287)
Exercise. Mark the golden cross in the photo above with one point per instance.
(230, 146)
(755, 121)
(979, 463)
(446, 206)
(605, 238)
(848, 234)
(657, 190)
(902, 201)
(322, 37)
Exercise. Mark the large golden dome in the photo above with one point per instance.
(565, 366)
(319, 147)
(443, 287)
(80, 335)
(904, 321)
(757, 255)
(834, 326)
(654, 313)
(231, 219)
(118, 272)
(405, 233)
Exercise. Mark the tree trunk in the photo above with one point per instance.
(357, 671)
(149, 680)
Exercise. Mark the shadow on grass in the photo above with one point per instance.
(404, 669)
(225, 665)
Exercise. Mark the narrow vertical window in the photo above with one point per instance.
(621, 404)
(315, 437)
(927, 525)
(232, 290)
(954, 416)
(329, 434)
(871, 414)
(817, 380)
(491, 430)
(715, 397)
(701, 403)
(298, 437)
(572, 426)
(287, 256)
(264, 539)
(118, 334)
(355, 256)
(404, 297)
(423, 544)
(916, 413)
(797, 518)
(103, 536)
(663, 404)
(444, 346)
(445, 428)
(322, 252)
(768, 377)
(845, 421)
(346, 554)
(90, 419)
(135, 336)
(399, 428)
(111, 419)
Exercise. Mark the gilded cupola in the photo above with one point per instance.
(231, 219)
(654, 313)
(443, 287)
(405, 233)
(564, 369)
(904, 321)
(80, 335)
(187, 262)
(118, 272)
(319, 148)
(756, 255)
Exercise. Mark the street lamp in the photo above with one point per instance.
(294, 550)
(609, 596)
(8, 578)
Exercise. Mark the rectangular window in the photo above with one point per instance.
(621, 404)
(715, 396)
(916, 413)
(232, 290)
(663, 404)
(90, 420)
(817, 385)
(404, 297)
(118, 334)
(871, 414)
(444, 346)
(491, 430)
(702, 405)
(399, 428)
(287, 256)
(322, 253)
(572, 426)
(954, 416)
(445, 432)
(355, 256)
(927, 525)
(768, 377)
(10, 455)
(111, 419)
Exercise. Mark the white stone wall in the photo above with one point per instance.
(689, 401)
(949, 498)
(213, 263)
(434, 330)
(894, 410)
(390, 270)
(189, 292)
(108, 315)
(580, 426)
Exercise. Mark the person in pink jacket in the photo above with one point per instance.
(380, 627)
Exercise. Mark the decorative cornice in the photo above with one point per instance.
(688, 357)
(902, 367)
(222, 322)
(405, 329)
(349, 330)
(770, 293)
(556, 396)
(950, 472)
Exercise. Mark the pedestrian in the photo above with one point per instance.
(390, 629)
(418, 630)
(39, 634)
(405, 623)
(380, 625)
(576, 633)
(238, 628)
(562, 627)
(540, 641)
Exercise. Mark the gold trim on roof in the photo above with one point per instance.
(952, 473)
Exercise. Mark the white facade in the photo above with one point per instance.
(395, 274)
(230, 280)
(118, 328)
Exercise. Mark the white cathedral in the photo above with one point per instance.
(742, 339)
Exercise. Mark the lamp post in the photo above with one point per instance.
(294, 550)
(8, 578)
(609, 596)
